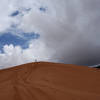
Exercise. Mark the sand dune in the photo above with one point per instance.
(49, 81)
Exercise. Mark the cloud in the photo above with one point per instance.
(15, 55)
(72, 30)
(69, 30)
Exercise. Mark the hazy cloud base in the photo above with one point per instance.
(69, 31)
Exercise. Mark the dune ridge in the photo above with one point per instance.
(49, 81)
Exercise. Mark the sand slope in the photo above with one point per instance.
(49, 81)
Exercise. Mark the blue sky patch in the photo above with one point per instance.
(22, 41)
(15, 13)
(20, 12)
(42, 9)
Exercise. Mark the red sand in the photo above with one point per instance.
(49, 81)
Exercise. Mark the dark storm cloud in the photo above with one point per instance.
(85, 49)
(76, 40)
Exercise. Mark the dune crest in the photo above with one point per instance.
(49, 81)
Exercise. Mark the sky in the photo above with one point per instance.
(65, 31)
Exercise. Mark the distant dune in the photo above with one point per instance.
(49, 81)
